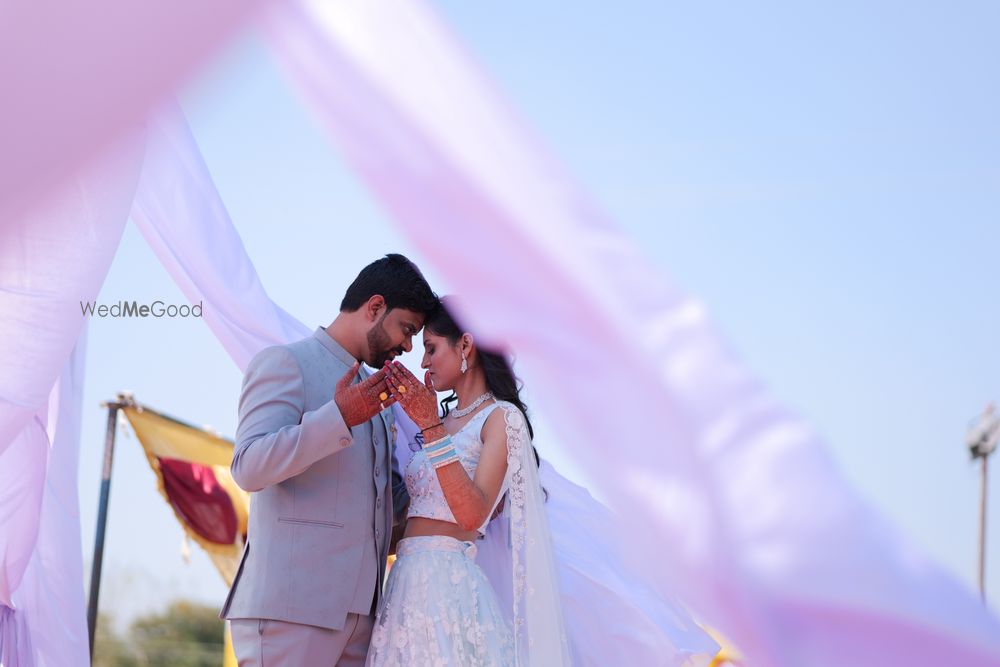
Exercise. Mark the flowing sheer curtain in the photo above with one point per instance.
(180, 214)
(50, 600)
(747, 516)
(51, 260)
(738, 499)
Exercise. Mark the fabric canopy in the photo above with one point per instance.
(754, 524)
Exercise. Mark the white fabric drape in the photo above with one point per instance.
(736, 497)
(540, 638)
(22, 467)
(610, 609)
(50, 599)
(180, 214)
(50, 261)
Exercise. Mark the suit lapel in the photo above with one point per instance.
(382, 419)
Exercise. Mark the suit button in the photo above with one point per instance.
(378, 504)
(378, 472)
(378, 532)
(344, 442)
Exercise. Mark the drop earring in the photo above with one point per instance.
(465, 364)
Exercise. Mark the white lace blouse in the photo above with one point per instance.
(426, 497)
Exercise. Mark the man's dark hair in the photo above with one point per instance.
(397, 279)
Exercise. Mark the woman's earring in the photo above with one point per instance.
(465, 364)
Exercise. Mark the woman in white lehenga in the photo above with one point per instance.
(439, 607)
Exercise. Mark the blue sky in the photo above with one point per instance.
(823, 176)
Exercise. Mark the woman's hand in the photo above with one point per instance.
(360, 402)
(418, 399)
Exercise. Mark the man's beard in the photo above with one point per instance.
(378, 345)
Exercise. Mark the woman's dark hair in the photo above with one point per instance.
(397, 279)
(500, 378)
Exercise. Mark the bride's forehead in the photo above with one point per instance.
(431, 337)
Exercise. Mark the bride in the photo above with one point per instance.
(439, 608)
(472, 464)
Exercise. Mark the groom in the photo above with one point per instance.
(315, 446)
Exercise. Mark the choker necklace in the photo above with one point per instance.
(472, 406)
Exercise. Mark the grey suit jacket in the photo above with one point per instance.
(322, 494)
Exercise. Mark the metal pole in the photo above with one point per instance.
(982, 529)
(982, 439)
(102, 520)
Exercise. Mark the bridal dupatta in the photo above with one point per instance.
(571, 600)
(539, 631)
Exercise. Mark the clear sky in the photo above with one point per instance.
(825, 176)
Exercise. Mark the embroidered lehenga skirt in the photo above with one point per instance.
(439, 610)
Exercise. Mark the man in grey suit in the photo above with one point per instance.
(314, 446)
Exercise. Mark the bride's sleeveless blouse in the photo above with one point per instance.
(426, 498)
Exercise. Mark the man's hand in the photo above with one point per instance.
(360, 402)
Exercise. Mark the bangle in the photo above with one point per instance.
(441, 452)
(437, 445)
(432, 427)
(443, 462)
(443, 457)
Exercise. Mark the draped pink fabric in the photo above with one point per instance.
(77, 74)
(753, 523)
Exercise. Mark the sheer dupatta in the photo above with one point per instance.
(567, 571)
(536, 612)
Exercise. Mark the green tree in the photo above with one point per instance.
(185, 634)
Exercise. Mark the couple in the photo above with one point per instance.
(316, 446)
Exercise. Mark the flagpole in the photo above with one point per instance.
(102, 515)
(982, 527)
(982, 441)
